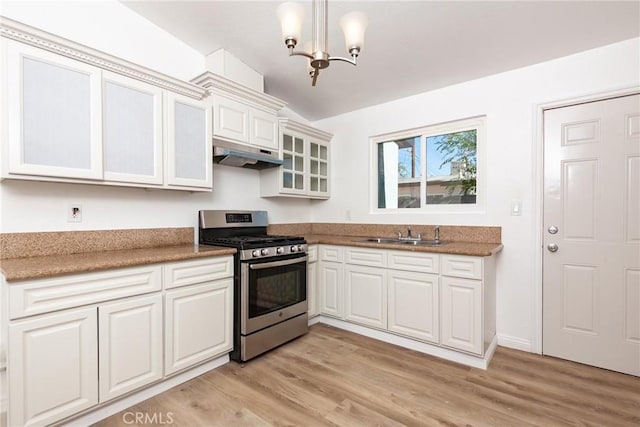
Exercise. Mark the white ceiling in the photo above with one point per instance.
(410, 46)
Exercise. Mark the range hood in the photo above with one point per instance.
(232, 154)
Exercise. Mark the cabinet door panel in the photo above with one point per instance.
(132, 130)
(54, 115)
(414, 305)
(264, 130)
(365, 296)
(198, 324)
(312, 289)
(331, 289)
(189, 144)
(130, 345)
(462, 314)
(231, 119)
(53, 366)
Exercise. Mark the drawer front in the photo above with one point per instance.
(331, 253)
(466, 267)
(421, 262)
(312, 253)
(371, 257)
(45, 295)
(187, 273)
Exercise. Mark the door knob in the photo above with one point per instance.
(552, 247)
(553, 229)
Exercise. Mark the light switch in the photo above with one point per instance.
(516, 207)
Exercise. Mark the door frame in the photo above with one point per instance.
(538, 191)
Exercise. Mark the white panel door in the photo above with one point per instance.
(414, 301)
(198, 323)
(189, 143)
(365, 295)
(591, 287)
(54, 114)
(53, 366)
(130, 345)
(331, 289)
(461, 314)
(132, 130)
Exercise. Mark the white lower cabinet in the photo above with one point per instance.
(130, 342)
(447, 300)
(331, 288)
(414, 305)
(80, 340)
(53, 366)
(365, 295)
(461, 311)
(198, 323)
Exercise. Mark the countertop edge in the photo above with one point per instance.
(107, 263)
(452, 248)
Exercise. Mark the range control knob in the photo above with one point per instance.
(294, 249)
(265, 252)
(255, 253)
(300, 248)
(279, 250)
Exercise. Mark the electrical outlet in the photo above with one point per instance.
(74, 213)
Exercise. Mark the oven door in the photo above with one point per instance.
(272, 291)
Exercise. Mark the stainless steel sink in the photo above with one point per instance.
(378, 240)
(402, 242)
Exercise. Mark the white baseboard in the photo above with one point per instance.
(109, 409)
(433, 350)
(515, 343)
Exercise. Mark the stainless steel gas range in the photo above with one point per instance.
(270, 280)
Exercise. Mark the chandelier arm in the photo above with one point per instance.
(298, 53)
(351, 61)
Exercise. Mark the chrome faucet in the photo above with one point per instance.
(436, 233)
(409, 235)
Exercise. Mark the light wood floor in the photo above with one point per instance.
(334, 377)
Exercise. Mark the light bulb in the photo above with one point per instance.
(354, 25)
(291, 16)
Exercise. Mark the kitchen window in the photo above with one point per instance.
(430, 168)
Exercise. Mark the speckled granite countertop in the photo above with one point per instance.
(455, 248)
(16, 269)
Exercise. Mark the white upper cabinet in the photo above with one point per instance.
(241, 114)
(305, 170)
(54, 121)
(74, 114)
(132, 130)
(189, 149)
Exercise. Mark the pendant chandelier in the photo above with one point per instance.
(353, 25)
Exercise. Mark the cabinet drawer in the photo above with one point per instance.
(462, 266)
(45, 295)
(186, 273)
(331, 253)
(421, 262)
(312, 253)
(371, 257)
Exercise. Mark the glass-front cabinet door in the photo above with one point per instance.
(318, 169)
(305, 170)
(293, 167)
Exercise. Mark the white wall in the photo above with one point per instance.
(111, 27)
(508, 100)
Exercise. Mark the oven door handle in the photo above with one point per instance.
(277, 263)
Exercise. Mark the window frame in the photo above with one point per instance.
(477, 123)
